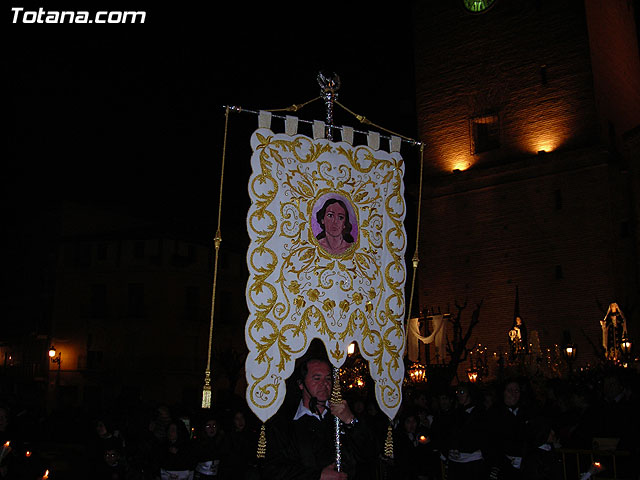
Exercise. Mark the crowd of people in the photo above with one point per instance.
(512, 429)
(159, 443)
(515, 429)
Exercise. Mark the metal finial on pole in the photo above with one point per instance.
(329, 86)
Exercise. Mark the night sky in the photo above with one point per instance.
(132, 115)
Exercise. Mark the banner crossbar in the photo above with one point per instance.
(310, 122)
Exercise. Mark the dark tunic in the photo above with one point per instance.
(300, 449)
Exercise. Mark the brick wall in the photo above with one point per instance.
(527, 60)
(534, 228)
(613, 41)
(548, 223)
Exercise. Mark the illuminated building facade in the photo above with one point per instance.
(530, 112)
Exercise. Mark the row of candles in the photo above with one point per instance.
(6, 449)
(416, 372)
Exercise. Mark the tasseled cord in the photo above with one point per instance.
(388, 443)
(262, 443)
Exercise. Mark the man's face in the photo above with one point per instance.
(239, 421)
(211, 428)
(410, 424)
(101, 429)
(111, 457)
(511, 394)
(318, 382)
(463, 396)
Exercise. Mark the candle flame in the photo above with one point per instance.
(27, 453)
(6, 444)
(46, 475)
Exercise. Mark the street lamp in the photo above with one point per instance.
(53, 357)
(56, 359)
(570, 351)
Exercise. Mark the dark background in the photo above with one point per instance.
(132, 115)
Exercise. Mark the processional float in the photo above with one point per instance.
(311, 280)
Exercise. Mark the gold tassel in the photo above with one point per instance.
(388, 443)
(262, 443)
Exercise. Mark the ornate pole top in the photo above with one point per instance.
(329, 86)
(329, 83)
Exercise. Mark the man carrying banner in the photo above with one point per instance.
(303, 446)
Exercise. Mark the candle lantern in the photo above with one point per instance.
(570, 351)
(416, 373)
(625, 345)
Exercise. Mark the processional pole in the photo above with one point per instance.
(329, 86)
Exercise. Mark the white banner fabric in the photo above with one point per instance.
(326, 261)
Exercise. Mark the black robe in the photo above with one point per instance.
(300, 449)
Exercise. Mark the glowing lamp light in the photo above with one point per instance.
(357, 382)
(46, 475)
(570, 351)
(417, 373)
(460, 165)
(27, 453)
(52, 355)
(351, 349)
(472, 375)
(625, 345)
(422, 439)
(5, 451)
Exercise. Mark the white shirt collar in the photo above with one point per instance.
(302, 411)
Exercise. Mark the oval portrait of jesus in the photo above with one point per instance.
(334, 224)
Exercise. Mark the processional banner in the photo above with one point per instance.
(326, 261)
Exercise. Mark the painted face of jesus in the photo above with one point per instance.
(334, 220)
